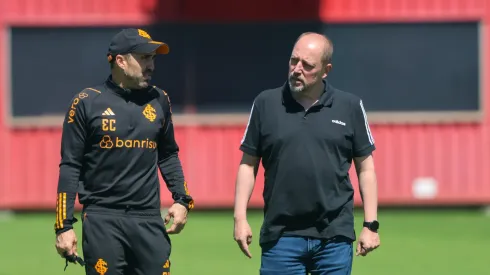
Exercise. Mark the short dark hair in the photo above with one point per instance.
(112, 60)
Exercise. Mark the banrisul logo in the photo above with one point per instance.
(108, 142)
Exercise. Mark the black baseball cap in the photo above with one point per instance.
(135, 41)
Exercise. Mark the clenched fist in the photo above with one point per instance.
(66, 242)
(368, 241)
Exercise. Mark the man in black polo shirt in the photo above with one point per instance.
(307, 134)
(115, 137)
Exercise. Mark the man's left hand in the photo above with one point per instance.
(179, 214)
(368, 241)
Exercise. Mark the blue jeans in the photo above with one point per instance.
(301, 256)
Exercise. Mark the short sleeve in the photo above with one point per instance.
(250, 143)
(363, 138)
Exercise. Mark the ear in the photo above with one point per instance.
(328, 68)
(121, 61)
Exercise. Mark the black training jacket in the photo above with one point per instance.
(113, 143)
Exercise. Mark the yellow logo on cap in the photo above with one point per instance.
(144, 34)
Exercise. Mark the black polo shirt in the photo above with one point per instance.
(306, 156)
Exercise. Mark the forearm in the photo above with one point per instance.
(173, 175)
(369, 193)
(66, 195)
(243, 190)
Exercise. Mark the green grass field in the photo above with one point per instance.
(412, 242)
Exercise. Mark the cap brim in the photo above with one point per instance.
(152, 46)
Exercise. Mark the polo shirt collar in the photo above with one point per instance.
(326, 98)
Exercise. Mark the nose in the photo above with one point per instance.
(150, 65)
(297, 69)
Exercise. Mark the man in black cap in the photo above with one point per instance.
(114, 137)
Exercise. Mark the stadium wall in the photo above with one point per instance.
(453, 155)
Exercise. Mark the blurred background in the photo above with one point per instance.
(421, 67)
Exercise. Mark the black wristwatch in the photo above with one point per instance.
(373, 226)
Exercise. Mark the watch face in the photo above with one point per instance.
(374, 225)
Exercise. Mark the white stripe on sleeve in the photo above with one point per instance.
(248, 123)
(366, 124)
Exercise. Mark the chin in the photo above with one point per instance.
(144, 84)
(296, 89)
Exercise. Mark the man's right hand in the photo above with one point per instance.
(66, 242)
(243, 236)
